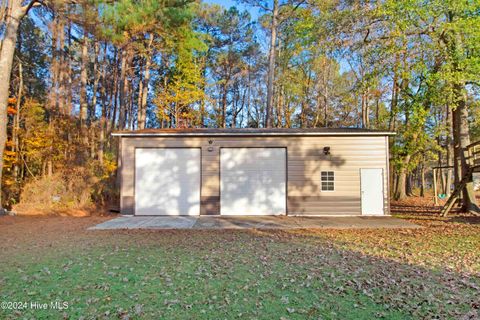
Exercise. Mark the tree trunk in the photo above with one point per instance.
(140, 93)
(365, 110)
(409, 186)
(325, 108)
(461, 133)
(83, 80)
(449, 156)
(123, 88)
(462, 140)
(17, 12)
(234, 107)
(54, 66)
(394, 99)
(142, 109)
(103, 118)
(401, 186)
(16, 124)
(271, 65)
(61, 77)
(325, 94)
(96, 81)
(131, 108)
(115, 92)
(69, 80)
(422, 180)
(224, 105)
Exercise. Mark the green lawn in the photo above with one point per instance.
(323, 274)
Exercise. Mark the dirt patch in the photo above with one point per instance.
(42, 233)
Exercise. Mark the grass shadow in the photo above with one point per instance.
(209, 274)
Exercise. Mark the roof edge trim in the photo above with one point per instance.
(177, 134)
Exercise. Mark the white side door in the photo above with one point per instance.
(371, 184)
(167, 181)
(253, 181)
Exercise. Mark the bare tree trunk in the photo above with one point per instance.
(325, 108)
(16, 13)
(449, 146)
(83, 80)
(54, 66)
(16, 124)
(457, 167)
(96, 81)
(394, 99)
(279, 109)
(123, 90)
(115, 92)
(409, 185)
(69, 77)
(303, 116)
(325, 93)
(103, 119)
(249, 95)
(401, 186)
(271, 65)
(234, 107)
(365, 110)
(139, 94)
(462, 140)
(224, 105)
(422, 180)
(131, 108)
(61, 65)
(142, 108)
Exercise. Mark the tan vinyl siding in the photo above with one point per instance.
(305, 161)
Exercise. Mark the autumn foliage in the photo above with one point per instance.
(56, 171)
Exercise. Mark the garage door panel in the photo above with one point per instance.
(253, 181)
(167, 181)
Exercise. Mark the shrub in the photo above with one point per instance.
(85, 188)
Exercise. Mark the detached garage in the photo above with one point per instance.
(254, 172)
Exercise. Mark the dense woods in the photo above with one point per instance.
(71, 72)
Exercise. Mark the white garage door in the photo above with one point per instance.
(167, 181)
(253, 181)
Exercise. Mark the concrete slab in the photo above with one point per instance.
(251, 222)
(246, 222)
(143, 222)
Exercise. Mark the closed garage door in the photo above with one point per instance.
(167, 181)
(253, 181)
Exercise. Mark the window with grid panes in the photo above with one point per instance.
(328, 180)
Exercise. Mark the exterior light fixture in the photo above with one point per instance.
(326, 150)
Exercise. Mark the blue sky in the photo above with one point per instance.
(231, 3)
(225, 3)
(254, 12)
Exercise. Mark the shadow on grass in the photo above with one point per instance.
(468, 220)
(225, 274)
(432, 213)
(416, 210)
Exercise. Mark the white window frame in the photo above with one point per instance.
(333, 181)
